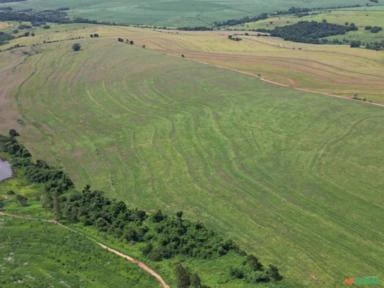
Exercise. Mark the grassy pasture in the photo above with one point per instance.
(363, 17)
(171, 13)
(38, 254)
(294, 177)
(75, 270)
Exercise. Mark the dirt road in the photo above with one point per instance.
(140, 264)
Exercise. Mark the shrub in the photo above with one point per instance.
(76, 47)
(355, 44)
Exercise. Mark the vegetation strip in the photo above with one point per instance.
(138, 263)
(165, 236)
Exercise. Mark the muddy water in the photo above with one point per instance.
(5, 170)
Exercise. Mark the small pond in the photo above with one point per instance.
(5, 170)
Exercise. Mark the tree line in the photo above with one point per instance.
(163, 236)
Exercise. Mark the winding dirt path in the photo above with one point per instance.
(275, 83)
(138, 263)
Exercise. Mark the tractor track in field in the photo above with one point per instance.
(201, 60)
(275, 83)
(130, 259)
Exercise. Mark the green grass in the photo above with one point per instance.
(172, 12)
(38, 254)
(213, 272)
(295, 178)
(361, 17)
(18, 219)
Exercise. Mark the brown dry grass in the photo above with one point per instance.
(4, 25)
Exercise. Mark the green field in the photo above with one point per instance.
(295, 178)
(172, 12)
(38, 254)
(35, 254)
(372, 16)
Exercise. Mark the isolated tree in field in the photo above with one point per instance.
(76, 47)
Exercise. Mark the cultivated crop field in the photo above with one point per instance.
(295, 177)
(171, 13)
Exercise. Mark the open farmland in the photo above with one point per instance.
(172, 13)
(295, 177)
(327, 69)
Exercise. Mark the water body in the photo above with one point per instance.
(5, 170)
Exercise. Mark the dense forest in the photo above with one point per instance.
(164, 236)
(310, 31)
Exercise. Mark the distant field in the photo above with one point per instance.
(172, 12)
(363, 17)
(3, 25)
(330, 69)
(296, 178)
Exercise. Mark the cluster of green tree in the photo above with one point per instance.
(186, 279)
(375, 45)
(247, 19)
(196, 28)
(56, 16)
(294, 11)
(5, 37)
(310, 31)
(163, 236)
(131, 42)
(253, 271)
(55, 180)
(373, 29)
(234, 38)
